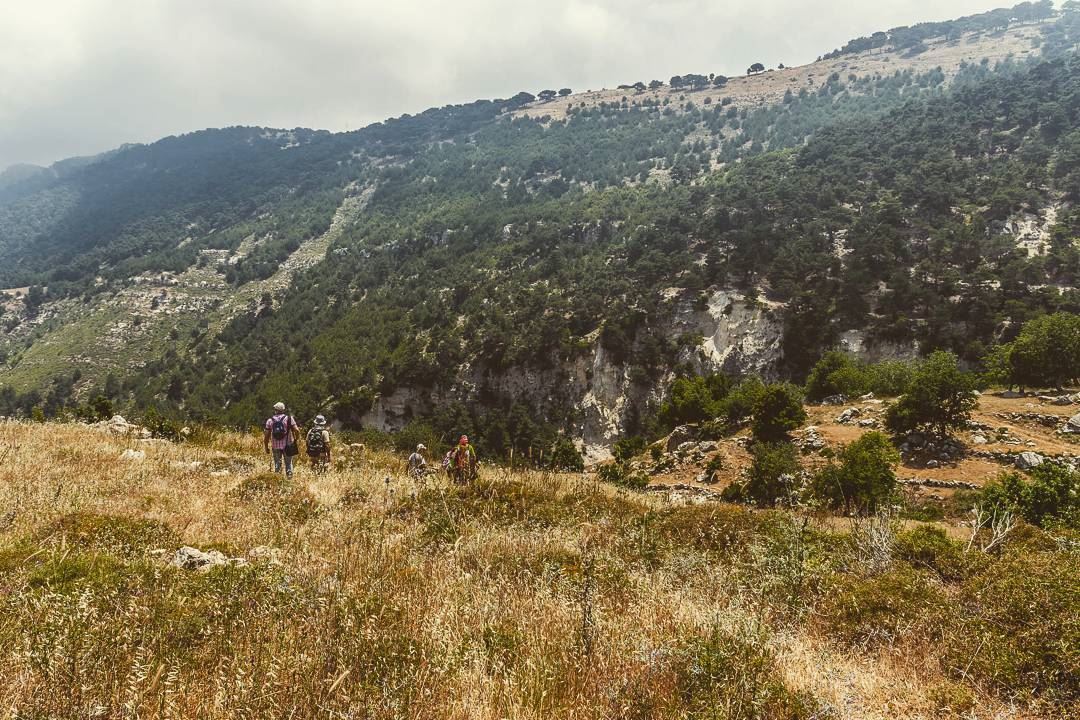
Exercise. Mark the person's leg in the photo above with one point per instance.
(288, 464)
(278, 454)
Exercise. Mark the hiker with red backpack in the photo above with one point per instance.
(463, 462)
(281, 435)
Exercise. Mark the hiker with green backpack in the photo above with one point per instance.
(318, 446)
(281, 435)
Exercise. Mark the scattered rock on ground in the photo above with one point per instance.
(680, 435)
(849, 415)
(189, 558)
(1028, 460)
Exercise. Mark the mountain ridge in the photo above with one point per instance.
(571, 263)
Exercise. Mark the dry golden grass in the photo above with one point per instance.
(526, 596)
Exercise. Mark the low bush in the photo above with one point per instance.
(727, 675)
(928, 547)
(1050, 496)
(868, 610)
(117, 535)
(1021, 626)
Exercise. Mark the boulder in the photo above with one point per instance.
(933, 464)
(680, 435)
(1073, 425)
(848, 415)
(868, 423)
(189, 558)
(978, 440)
(1028, 460)
(834, 400)
(136, 455)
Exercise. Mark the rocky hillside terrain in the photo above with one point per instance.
(545, 265)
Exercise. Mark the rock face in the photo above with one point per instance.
(1029, 460)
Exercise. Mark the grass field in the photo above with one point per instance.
(360, 595)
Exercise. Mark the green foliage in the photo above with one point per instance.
(627, 448)
(620, 473)
(881, 608)
(695, 399)
(928, 547)
(772, 475)
(1021, 630)
(1050, 495)
(113, 534)
(1046, 353)
(777, 411)
(940, 398)
(863, 479)
(722, 670)
(565, 456)
(836, 373)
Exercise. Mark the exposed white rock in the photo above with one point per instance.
(1028, 460)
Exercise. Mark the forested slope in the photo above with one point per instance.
(521, 274)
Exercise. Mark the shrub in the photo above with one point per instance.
(1021, 630)
(695, 399)
(565, 457)
(620, 474)
(836, 373)
(629, 447)
(939, 400)
(777, 411)
(740, 402)
(726, 670)
(114, 534)
(1047, 351)
(771, 475)
(864, 477)
(1052, 495)
(881, 608)
(926, 546)
(890, 378)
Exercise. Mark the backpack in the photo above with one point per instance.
(279, 426)
(316, 444)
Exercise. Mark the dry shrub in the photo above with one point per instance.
(900, 604)
(117, 535)
(731, 674)
(1020, 630)
(275, 495)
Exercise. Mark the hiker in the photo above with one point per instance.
(318, 446)
(416, 465)
(281, 435)
(463, 461)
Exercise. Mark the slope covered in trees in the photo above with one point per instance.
(499, 259)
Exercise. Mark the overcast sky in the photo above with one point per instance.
(82, 76)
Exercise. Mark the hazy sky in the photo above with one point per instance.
(82, 76)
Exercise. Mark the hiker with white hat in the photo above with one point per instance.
(281, 435)
(318, 445)
(417, 463)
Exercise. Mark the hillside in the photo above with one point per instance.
(184, 581)
(526, 268)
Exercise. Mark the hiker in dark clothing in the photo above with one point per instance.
(318, 446)
(280, 436)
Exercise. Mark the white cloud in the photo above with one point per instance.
(81, 76)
